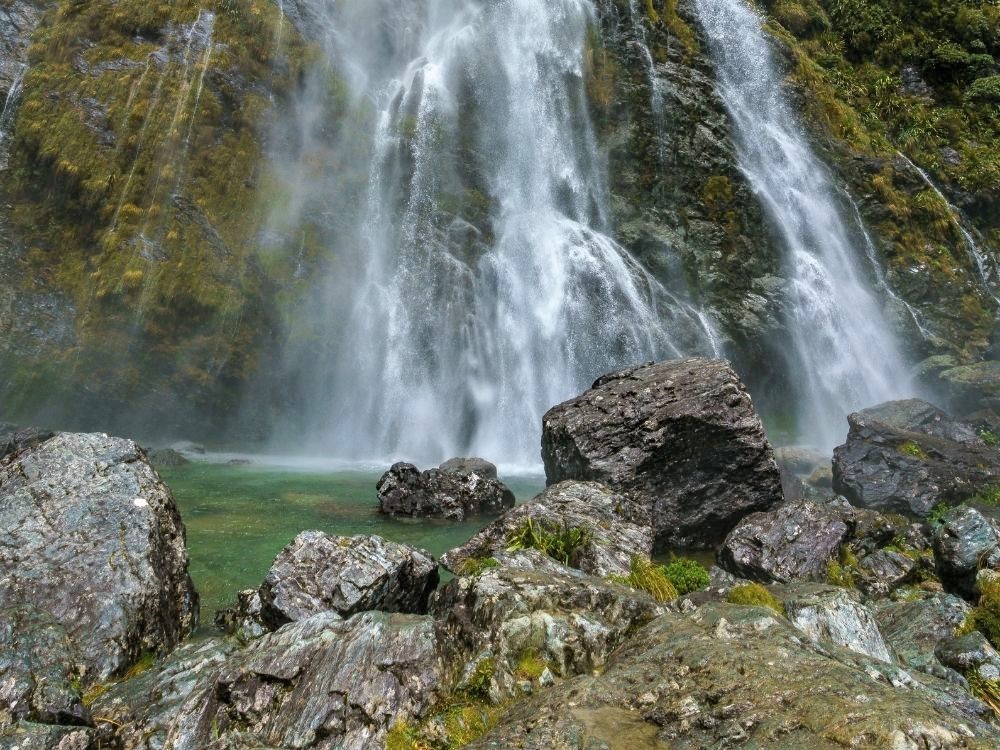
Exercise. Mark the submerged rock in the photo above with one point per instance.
(611, 540)
(965, 543)
(167, 457)
(15, 439)
(908, 456)
(320, 572)
(680, 439)
(792, 543)
(436, 493)
(94, 571)
(731, 676)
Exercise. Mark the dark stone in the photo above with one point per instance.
(614, 540)
(680, 439)
(913, 629)
(167, 457)
(883, 571)
(791, 543)
(320, 572)
(966, 542)
(970, 653)
(406, 491)
(465, 466)
(94, 571)
(908, 456)
(14, 439)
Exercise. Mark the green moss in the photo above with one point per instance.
(911, 448)
(937, 514)
(686, 575)
(755, 595)
(990, 438)
(560, 542)
(477, 685)
(646, 576)
(988, 496)
(985, 616)
(530, 665)
(840, 571)
(474, 566)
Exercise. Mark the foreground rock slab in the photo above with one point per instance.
(965, 543)
(742, 677)
(322, 682)
(320, 572)
(93, 571)
(455, 491)
(681, 439)
(908, 456)
(612, 539)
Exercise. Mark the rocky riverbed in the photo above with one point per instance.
(865, 619)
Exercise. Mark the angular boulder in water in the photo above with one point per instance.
(908, 456)
(94, 571)
(320, 572)
(405, 491)
(680, 439)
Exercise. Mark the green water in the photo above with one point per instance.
(239, 517)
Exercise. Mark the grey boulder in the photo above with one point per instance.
(680, 439)
(94, 571)
(612, 539)
(828, 614)
(964, 544)
(466, 466)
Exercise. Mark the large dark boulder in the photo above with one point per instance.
(681, 439)
(908, 456)
(320, 572)
(453, 493)
(611, 539)
(93, 571)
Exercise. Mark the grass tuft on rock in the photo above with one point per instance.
(475, 566)
(561, 542)
(686, 575)
(755, 595)
(985, 616)
(646, 576)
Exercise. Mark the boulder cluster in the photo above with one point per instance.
(857, 611)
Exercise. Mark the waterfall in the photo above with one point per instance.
(477, 283)
(843, 355)
(7, 112)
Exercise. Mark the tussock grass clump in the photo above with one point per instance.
(985, 616)
(646, 576)
(686, 574)
(474, 566)
(755, 595)
(560, 542)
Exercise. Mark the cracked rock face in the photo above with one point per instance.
(320, 572)
(94, 571)
(681, 439)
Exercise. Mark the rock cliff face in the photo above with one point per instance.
(132, 221)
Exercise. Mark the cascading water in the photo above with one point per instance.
(7, 112)
(843, 354)
(482, 285)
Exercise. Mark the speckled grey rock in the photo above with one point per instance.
(913, 629)
(681, 439)
(791, 543)
(322, 682)
(614, 539)
(827, 614)
(965, 543)
(573, 621)
(968, 654)
(320, 572)
(883, 571)
(405, 491)
(742, 677)
(908, 456)
(94, 571)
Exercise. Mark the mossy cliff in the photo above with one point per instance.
(135, 189)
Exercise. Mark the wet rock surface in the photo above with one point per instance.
(612, 539)
(793, 542)
(908, 456)
(455, 493)
(913, 629)
(681, 439)
(94, 568)
(320, 572)
(828, 614)
(709, 679)
(964, 544)
(323, 682)
(14, 439)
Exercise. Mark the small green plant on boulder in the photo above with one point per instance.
(561, 542)
(990, 438)
(474, 566)
(985, 616)
(644, 575)
(686, 575)
(937, 514)
(755, 595)
(840, 570)
(989, 496)
(911, 448)
(530, 665)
